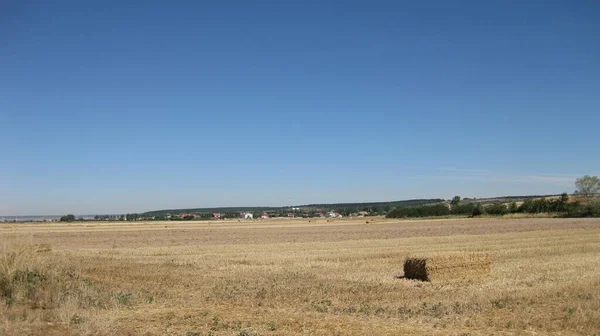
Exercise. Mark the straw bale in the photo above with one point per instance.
(448, 266)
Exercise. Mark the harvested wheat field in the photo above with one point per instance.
(294, 277)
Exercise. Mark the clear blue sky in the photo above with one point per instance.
(116, 106)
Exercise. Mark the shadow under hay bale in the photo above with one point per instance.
(449, 266)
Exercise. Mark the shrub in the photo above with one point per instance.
(42, 286)
(535, 206)
(591, 209)
(462, 209)
(477, 211)
(543, 205)
(32, 278)
(67, 218)
(497, 209)
(420, 211)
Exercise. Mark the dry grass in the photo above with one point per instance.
(318, 278)
(43, 293)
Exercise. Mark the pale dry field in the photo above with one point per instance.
(295, 277)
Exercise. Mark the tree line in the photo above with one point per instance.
(585, 187)
(562, 206)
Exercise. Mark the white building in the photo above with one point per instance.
(333, 214)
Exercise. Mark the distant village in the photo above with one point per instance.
(295, 213)
(246, 215)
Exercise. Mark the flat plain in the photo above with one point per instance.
(299, 277)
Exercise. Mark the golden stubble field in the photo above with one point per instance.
(295, 277)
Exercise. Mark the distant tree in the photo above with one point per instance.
(419, 211)
(527, 206)
(132, 216)
(496, 209)
(463, 209)
(477, 211)
(590, 209)
(561, 204)
(455, 200)
(513, 208)
(344, 211)
(541, 205)
(587, 185)
(231, 215)
(67, 218)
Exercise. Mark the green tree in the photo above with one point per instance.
(455, 200)
(419, 211)
(496, 209)
(463, 209)
(561, 204)
(343, 211)
(587, 185)
(512, 207)
(67, 218)
(477, 211)
(527, 206)
(131, 217)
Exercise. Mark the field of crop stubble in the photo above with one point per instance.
(292, 277)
